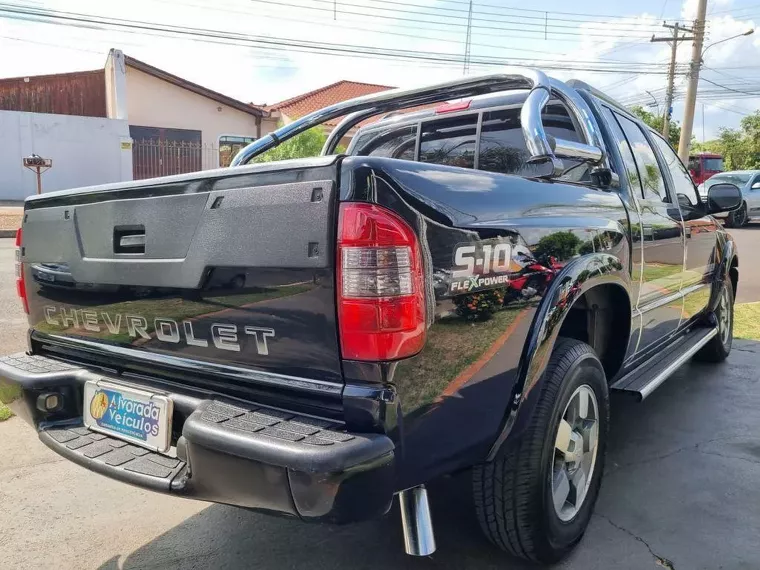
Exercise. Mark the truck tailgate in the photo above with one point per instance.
(231, 267)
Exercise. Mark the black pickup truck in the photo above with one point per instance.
(460, 291)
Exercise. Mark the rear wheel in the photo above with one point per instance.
(719, 347)
(535, 499)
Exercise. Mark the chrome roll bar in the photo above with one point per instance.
(542, 88)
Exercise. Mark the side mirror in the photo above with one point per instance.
(756, 186)
(723, 198)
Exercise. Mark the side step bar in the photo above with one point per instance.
(648, 377)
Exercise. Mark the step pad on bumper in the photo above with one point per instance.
(112, 456)
(282, 438)
(275, 423)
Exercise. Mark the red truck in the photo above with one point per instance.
(703, 165)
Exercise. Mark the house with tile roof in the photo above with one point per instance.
(300, 105)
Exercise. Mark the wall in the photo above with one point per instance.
(80, 93)
(152, 102)
(85, 151)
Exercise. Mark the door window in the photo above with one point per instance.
(631, 171)
(682, 184)
(649, 173)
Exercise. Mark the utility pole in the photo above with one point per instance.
(691, 91)
(467, 42)
(673, 41)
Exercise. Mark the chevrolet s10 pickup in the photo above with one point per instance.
(460, 291)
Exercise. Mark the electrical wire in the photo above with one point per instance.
(294, 45)
(460, 24)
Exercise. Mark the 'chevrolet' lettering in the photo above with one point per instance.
(223, 336)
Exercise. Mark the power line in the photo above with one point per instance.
(545, 14)
(81, 20)
(458, 24)
(555, 11)
(756, 93)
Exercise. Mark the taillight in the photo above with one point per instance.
(20, 283)
(381, 299)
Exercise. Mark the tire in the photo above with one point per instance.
(738, 218)
(719, 346)
(513, 493)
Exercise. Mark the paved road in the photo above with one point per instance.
(748, 242)
(681, 484)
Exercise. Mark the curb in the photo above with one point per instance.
(7, 233)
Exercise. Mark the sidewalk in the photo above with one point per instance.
(10, 220)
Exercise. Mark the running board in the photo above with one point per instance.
(646, 378)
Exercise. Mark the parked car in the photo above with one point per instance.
(391, 357)
(748, 181)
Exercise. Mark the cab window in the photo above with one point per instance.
(449, 141)
(503, 148)
(394, 142)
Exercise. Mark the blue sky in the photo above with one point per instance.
(577, 39)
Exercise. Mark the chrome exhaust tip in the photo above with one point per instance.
(416, 522)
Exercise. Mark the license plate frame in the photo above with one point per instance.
(129, 414)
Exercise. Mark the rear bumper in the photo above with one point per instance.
(242, 454)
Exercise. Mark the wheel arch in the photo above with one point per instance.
(728, 268)
(596, 279)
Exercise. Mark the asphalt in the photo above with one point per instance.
(681, 490)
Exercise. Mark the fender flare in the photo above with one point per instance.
(577, 278)
(726, 254)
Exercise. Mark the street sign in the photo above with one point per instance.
(37, 161)
(39, 165)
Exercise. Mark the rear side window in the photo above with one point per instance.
(394, 142)
(449, 141)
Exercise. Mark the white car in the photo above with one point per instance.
(748, 182)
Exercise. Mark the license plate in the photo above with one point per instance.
(136, 416)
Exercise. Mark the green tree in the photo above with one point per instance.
(306, 144)
(561, 245)
(655, 121)
(740, 148)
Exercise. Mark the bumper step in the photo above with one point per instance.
(115, 458)
(281, 438)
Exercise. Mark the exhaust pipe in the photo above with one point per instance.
(416, 522)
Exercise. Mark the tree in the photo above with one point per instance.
(306, 144)
(740, 148)
(562, 245)
(655, 121)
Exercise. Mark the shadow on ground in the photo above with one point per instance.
(680, 491)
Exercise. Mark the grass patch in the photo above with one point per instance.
(747, 321)
(8, 393)
(452, 345)
(175, 308)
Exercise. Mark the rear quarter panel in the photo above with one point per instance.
(487, 345)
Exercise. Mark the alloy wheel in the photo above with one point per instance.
(575, 449)
(724, 315)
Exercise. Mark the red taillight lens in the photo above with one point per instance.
(20, 283)
(381, 299)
